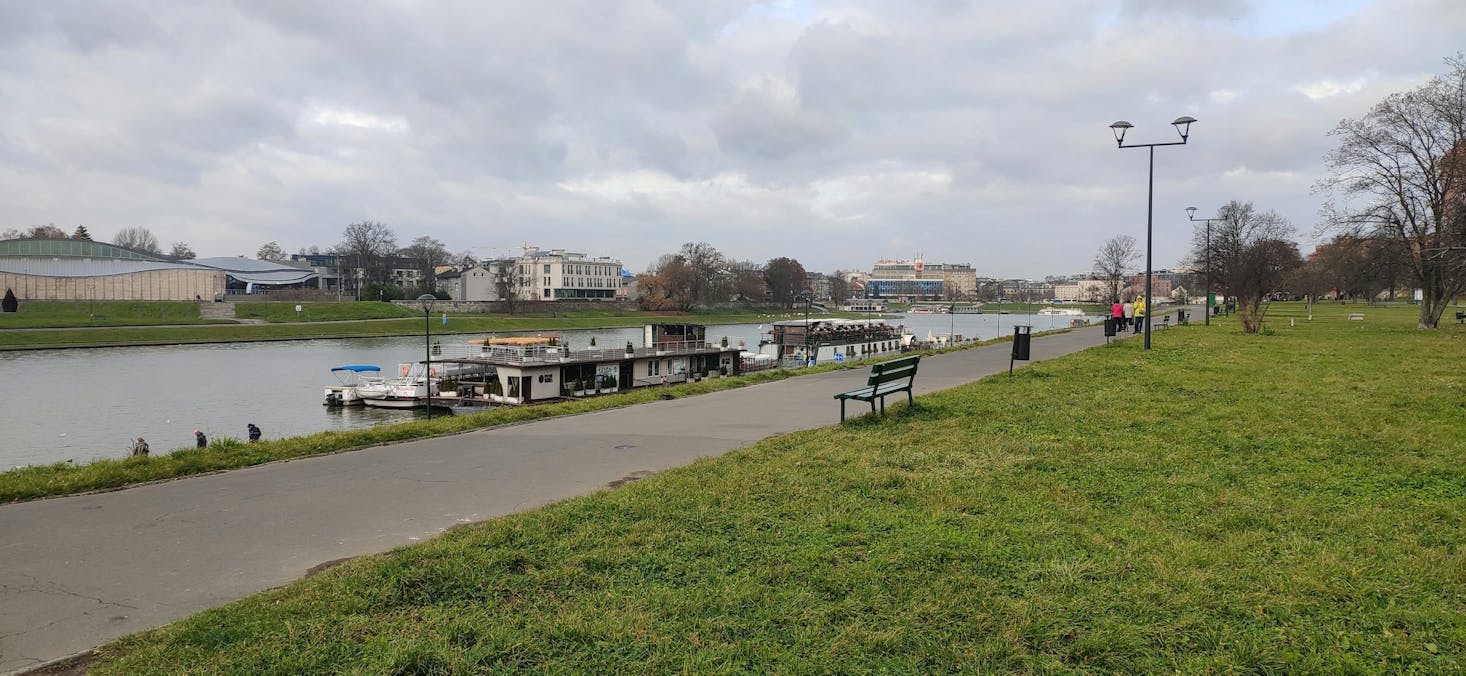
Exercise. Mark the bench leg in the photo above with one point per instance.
(910, 403)
(842, 410)
(883, 405)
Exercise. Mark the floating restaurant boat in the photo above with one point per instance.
(350, 377)
(834, 339)
(529, 369)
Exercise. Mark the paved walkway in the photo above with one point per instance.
(80, 571)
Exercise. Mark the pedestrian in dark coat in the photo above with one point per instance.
(200, 440)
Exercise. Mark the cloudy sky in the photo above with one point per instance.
(835, 133)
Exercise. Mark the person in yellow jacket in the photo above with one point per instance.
(1139, 314)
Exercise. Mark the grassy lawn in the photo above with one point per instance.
(321, 312)
(1290, 502)
(59, 314)
(409, 326)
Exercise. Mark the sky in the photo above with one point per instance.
(836, 133)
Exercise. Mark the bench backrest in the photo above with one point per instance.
(896, 369)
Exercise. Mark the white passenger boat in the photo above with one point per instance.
(349, 379)
(1064, 311)
(410, 389)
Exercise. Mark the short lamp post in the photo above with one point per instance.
(1191, 214)
(1183, 127)
(426, 301)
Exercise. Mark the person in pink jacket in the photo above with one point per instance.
(1117, 313)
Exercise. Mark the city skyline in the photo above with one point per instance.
(834, 133)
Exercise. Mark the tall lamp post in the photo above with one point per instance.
(426, 301)
(808, 299)
(1183, 127)
(1191, 214)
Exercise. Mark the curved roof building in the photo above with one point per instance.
(72, 269)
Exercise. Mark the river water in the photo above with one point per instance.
(82, 404)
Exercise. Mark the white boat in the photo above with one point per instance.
(350, 378)
(1065, 311)
(410, 389)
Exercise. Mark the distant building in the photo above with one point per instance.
(560, 275)
(1086, 290)
(77, 269)
(913, 280)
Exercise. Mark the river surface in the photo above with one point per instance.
(82, 404)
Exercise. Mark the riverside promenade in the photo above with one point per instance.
(77, 572)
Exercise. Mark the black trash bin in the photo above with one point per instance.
(1021, 335)
(1110, 327)
(1182, 316)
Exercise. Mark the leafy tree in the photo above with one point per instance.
(48, 231)
(1253, 256)
(669, 284)
(1112, 262)
(182, 251)
(270, 251)
(137, 239)
(786, 279)
(1399, 175)
(81, 233)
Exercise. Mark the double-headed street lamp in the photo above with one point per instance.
(1191, 214)
(1183, 127)
(426, 301)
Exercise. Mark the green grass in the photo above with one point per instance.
(1290, 502)
(321, 312)
(57, 314)
(467, 323)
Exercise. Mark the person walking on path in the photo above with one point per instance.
(200, 441)
(1117, 314)
(254, 433)
(1129, 311)
(140, 449)
(1139, 314)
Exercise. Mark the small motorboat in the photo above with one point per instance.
(349, 379)
(411, 389)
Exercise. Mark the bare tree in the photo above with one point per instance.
(839, 287)
(748, 281)
(47, 231)
(786, 279)
(709, 281)
(368, 247)
(182, 251)
(1112, 261)
(429, 254)
(270, 251)
(669, 284)
(1253, 256)
(137, 239)
(1399, 174)
(509, 284)
(11, 233)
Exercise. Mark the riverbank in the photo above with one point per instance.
(64, 478)
(44, 339)
(1281, 502)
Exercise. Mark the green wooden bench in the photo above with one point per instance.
(887, 377)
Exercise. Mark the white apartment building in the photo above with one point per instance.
(560, 275)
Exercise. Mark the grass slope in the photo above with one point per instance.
(56, 314)
(1285, 502)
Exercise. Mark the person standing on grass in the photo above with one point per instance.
(1139, 314)
(1128, 309)
(1117, 313)
(140, 449)
(200, 441)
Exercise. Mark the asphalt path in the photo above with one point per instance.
(77, 572)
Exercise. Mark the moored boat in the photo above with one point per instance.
(350, 378)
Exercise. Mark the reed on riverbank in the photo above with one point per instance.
(1285, 502)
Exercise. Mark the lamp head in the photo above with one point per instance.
(1191, 213)
(426, 301)
(1183, 125)
(1119, 128)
